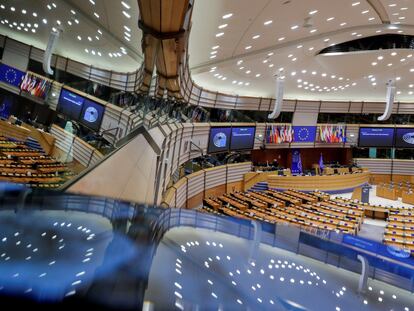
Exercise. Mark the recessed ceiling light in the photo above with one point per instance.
(412, 70)
(311, 48)
(326, 40)
(402, 60)
(86, 50)
(222, 26)
(248, 71)
(58, 22)
(380, 57)
(89, 38)
(215, 47)
(99, 31)
(293, 73)
(33, 30)
(268, 22)
(299, 46)
(281, 39)
(248, 47)
(365, 12)
(127, 28)
(220, 34)
(330, 19)
(73, 12)
(265, 61)
(12, 9)
(76, 21)
(393, 53)
(49, 7)
(313, 30)
(342, 24)
(24, 11)
(270, 54)
(227, 15)
(126, 38)
(44, 21)
(96, 14)
(371, 18)
(97, 38)
(127, 34)
(398, 78)
(324, 75)
(404, 9)
(213, 52)
(256, 37)
(126, 14)
(54, 5)
(258, 75)
(271, 65)
(99, 54)
(213, 56)
(69, 23)
(79, 38)
(294, 27)
(356, 3)
(294, 59)
(392, 5)
(389, 65)
(313, 12)
(378, 31)
(125, 5)
(2, 6)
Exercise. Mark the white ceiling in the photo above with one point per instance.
(246, 65)
(282, 43)
(100, 36)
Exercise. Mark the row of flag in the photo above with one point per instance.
(278, 134)
(35, 85)
(332, 133)
(286, 133)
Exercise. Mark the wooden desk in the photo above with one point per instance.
(408, 197)
(387, 193)
(324, 183)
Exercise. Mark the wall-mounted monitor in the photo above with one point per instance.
(92, 114)
(376, 137)
(219, 139)
(70, 104)
(242, 138)
(404, 138)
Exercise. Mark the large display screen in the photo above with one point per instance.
(404, 138)
(242, 138)
(219, 140)
(70, 104)
(376, 137)
(92, 114)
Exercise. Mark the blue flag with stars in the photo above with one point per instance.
(11, 75)
(304, 134)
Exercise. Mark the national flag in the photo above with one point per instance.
(321, 165)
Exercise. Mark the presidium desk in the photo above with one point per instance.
(338, 182)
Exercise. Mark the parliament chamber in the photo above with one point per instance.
(207, 155)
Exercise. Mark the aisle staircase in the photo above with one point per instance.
(260, 186)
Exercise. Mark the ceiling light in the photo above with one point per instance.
(215, 47)
(227, 15)
(49, 7)
(299, 46)
(89, 38)
(294, 27)
(76, 21)
(393, 53)
(313, 30)
(79, 38)
(258, 75)
(380, 57)
(402, 60)
(222, 26)
(126, 14)
(391, 5)
(125, 5)
(86, 50)
(313, 12)
(330, 19)
(73, 12)
(365, 12)
(248, 71)
(268, 22)
(256, 37)
(389, 65)
(342, 24)
(92, 2)
(220, 34)
(96, 14)
(248, 47)
(127, 34)
(374, 63)
(58, 22)
(211, 57)
(54, 29)
(371, 18)
(355, 3)
(33, 30)
(270, 54)
(294, 59)
(281, 39)
(2, 6)
(24, 11)
(293, 73)
(404, 9)
(311, 48)
(69, 23)
(398, 78)
(97, 38)
(127, 28)
(326, 40)
(271, 65)
(93, 52)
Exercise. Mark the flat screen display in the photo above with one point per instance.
(92, 114)
(242, 138)
(70, 104)
(404, 138)
(219, 140)
(376, 137)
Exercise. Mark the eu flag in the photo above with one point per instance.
(304, 134)
(11, 75)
